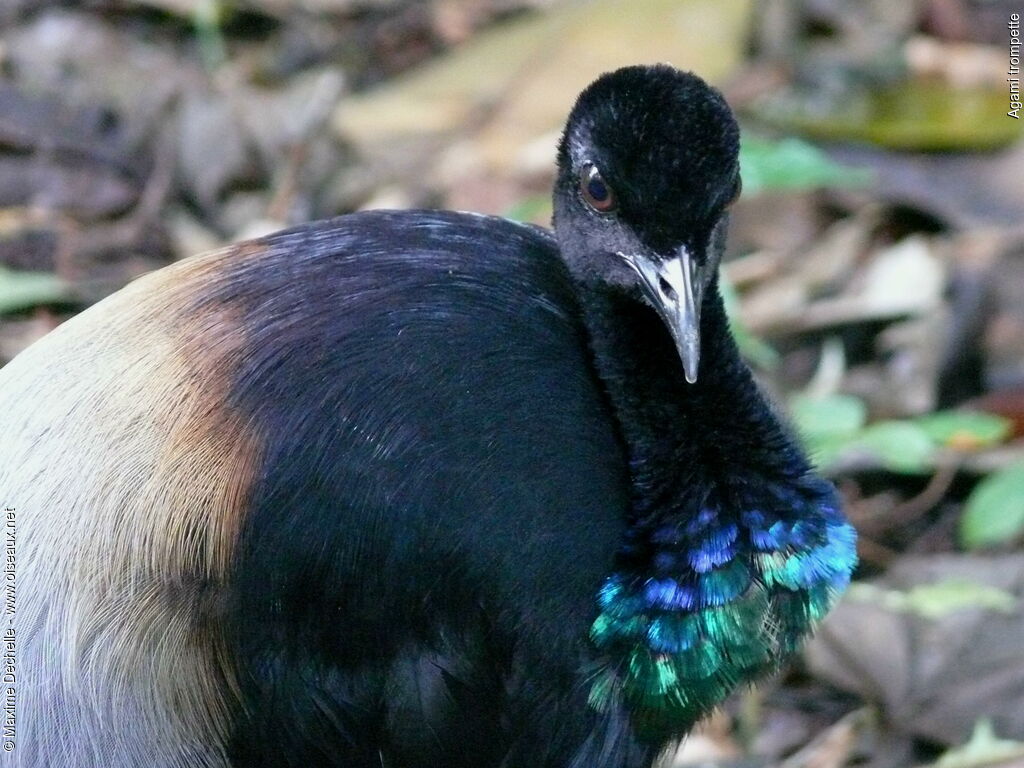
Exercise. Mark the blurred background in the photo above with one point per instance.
(875, 272)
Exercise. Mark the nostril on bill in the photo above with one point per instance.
(667, 289)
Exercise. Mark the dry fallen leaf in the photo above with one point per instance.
(936, 667)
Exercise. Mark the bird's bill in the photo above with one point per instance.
(674, 287)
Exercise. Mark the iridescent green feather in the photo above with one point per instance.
(752, 588)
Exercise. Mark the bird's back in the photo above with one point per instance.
(295, 473)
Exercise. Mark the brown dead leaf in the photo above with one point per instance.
(933, 676)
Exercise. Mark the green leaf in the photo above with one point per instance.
(828, 424)
(934, 601)
(533, 208)
(23, 290)
(965, 430)
(922, 114)
(902, 446)
(983, 749)
(831, 415)
(994, 512)
(207, 19)
(792, 164)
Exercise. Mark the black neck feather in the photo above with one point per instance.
(685, 440)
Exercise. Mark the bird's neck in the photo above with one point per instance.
(735, 548)
(685, 439)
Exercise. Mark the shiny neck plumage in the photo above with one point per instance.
(735, 548)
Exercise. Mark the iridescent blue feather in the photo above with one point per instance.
(733, 593)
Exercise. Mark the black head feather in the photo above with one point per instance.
(666, 143)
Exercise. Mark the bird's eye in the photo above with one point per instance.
(596, 192)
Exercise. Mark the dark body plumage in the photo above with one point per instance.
(459, 443)
(419, 489)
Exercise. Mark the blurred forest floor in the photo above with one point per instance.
(875, 269)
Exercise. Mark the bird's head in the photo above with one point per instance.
(647, 168)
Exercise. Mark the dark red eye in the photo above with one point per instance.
(595, 190)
